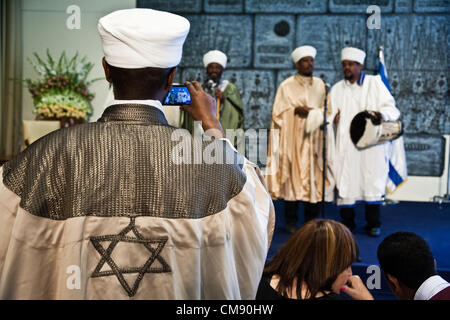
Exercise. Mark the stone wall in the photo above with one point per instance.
(259, 35)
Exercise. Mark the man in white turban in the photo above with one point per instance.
(231, 111)
(294, 170)
(106, 210)
(361, 175)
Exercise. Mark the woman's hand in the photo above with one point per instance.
(356, 289)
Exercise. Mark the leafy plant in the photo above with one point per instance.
(62, 90)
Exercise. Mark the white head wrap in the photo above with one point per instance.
(303, 51)
(215, 56)
(140, 38)
(353, 54)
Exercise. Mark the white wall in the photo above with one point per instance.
(424, 188)
(44, 26)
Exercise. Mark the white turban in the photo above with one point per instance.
(353, 54)
(140, 38)
(303, 51)
(215, 56)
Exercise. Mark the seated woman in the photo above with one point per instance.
(315, 263)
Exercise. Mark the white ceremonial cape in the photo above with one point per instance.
(294, 169)
(361, 175)
(100, 211)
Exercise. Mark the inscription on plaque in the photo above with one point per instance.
(424, 155)
(402, 6)
(432, 6)
(359, 6)
(274, 40)
(186, 6)
(225, 6)
(288, 6)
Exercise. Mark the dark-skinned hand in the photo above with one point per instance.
(219, 94)
(302, 111)
(203, 108)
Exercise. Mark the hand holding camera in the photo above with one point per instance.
(203, 108)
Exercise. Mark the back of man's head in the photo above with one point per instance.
(142, 83)
(407, 257)
(142, 48)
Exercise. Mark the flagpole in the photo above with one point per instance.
(324, 151)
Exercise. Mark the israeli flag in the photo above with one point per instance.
(397, 159)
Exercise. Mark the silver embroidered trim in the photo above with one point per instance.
(119, 166)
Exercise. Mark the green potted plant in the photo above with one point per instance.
(62, 91)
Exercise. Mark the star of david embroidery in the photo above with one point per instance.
(154, 246)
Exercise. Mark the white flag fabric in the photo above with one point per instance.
(398, 173)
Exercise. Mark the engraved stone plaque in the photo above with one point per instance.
(423, 99)
(359, 6)
(431, 6)
(411, 42)
(225, 6)
(274, 38)
(195, 74)
(286, 6)
(402, 6)
(424, 155)
(257, 89)
(231, 34)
(335, 33)
(179, 6)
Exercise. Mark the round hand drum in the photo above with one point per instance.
(368, 129)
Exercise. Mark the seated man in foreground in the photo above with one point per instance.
(410, 269)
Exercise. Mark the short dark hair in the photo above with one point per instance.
(407, 257)
(142, 80)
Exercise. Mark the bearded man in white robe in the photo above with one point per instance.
(361, 175)
(295, 160)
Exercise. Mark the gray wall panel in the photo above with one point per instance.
(431, 6)
(259, 35)
(334, 33)
(180, 6)
(424, 154)
(402, 6)
(274, 41)
(232, 35)
(286, 6)
(359, 6)
(225, 6)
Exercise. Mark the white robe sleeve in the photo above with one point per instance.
(253, 216)
(9, 205)
(386, 103)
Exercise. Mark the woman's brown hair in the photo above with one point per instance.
(314, 255)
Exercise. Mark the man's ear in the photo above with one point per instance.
(393, 281)
(105, 67)
(170, 78)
